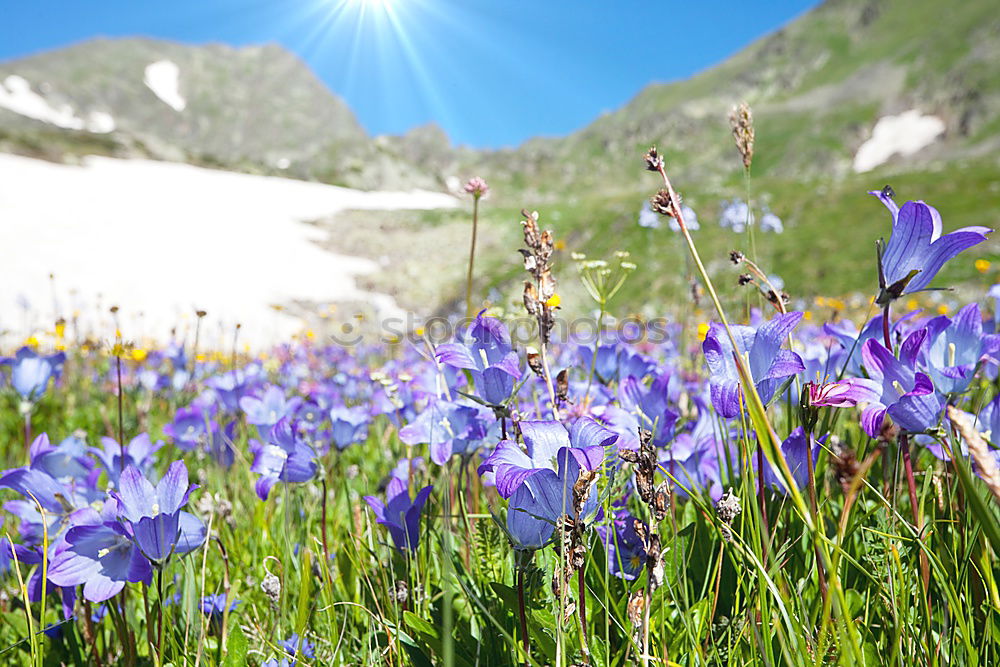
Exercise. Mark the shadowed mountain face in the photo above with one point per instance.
(255, 109)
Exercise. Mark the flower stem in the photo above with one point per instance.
(582, 592)
(472, 257)
(121, 421)
(520, 608)
(814, 506)
(886, 338)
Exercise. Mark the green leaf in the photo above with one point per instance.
(420, 625)
(236, 648)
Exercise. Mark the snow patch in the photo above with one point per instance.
(904, 134)
(163, 78)
(161, 239)
(16, 95)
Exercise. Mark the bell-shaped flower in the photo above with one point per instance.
(285, 458)
(544, 440)
(349, 425)
(624, 547)
(61, 500)
(192, 426)
(65, 461)
(140, 453)
(917, 250)
(761, 348)
(100, 556)
(798, 455)
(400, 514)
(153, 513)
(449, 429)
(955, 348)
(30, 372)
(485, 351)
(266, 410)
(540, 499)
(907, 395)
(651, 405)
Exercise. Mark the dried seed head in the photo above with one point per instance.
(662, 203)
(562, 386)
(530, 298)
(636, 608)
(654, 161)
(654, 562)
(401, 592)
(271, 586)
(661, 501)
(887, 191)
(741, 122)
(535, 363)
(581, 489)
(727, 509)
(744, 279)
(736, 257)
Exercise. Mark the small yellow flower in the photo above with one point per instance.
(60, 329)
(139, 354)
(820, 301)
(310, 334)
(560, 244)
(807, 315)
(553, 301)
(419, 331)
(702, 330)
(942, 309)
(982, 265)
(912, 304)
(32, 342)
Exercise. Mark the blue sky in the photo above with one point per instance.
(490, 72)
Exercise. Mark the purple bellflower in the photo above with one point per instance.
(540, 499)
(153, 513)
(955, 348)
(400, 514)
(907, 395)
(285, 458)
(917, 250)
(794, 449)
(102, 557)
(349, 425)
(768, 363)
(485, 352)
(30, 372)
(140, 452)
(449, 428)
(651, 405)
(623, 546)
(544, 441)
(265, 411)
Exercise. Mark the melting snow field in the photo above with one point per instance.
(163, 77)
(904, 134)
(16, 95)
(163, 239)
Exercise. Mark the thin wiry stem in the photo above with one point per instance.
(472, 257)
